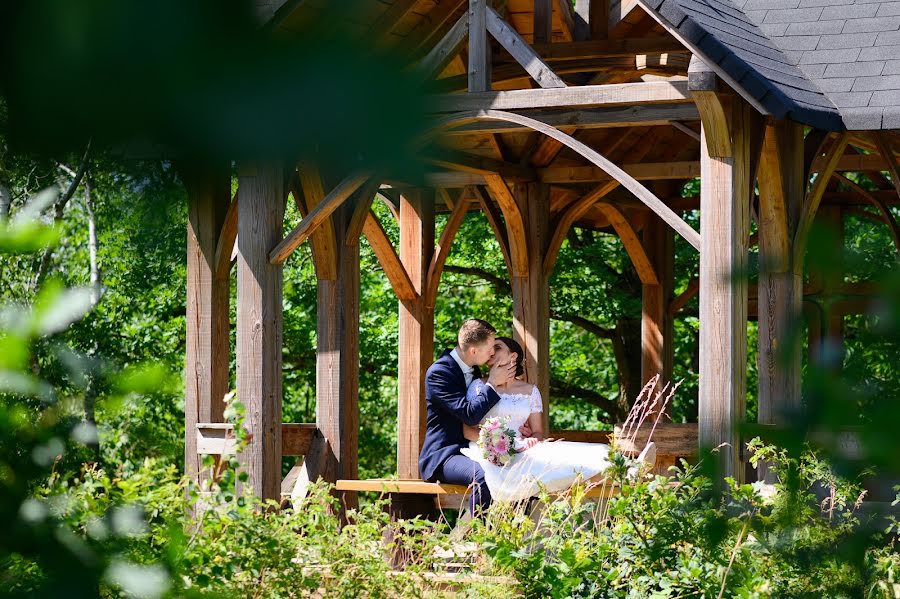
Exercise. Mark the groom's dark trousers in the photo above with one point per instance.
(447, 408)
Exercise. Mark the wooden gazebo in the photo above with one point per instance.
(549, 117)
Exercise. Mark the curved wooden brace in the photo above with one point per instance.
(814, 197)
(433, 278)
(571, 214)
(364, 198)
(515, 226)
(227, 240)
(318, 215)
(387, 257)
(626, 180)
(887, 216)
(634, 247)
(493, 217)
(308, 190)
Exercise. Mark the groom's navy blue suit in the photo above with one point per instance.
(447, 409)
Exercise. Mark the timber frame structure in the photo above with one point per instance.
(545, 117)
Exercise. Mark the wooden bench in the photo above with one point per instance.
(419, 494)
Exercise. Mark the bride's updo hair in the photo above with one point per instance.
(515, 348)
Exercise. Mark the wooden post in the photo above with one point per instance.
(479, 47)
(206, 342)
(656, 322)
(724, 240)
(531, 292)
(781, 193)
(260, 222)
(337, 358)
(416, 341)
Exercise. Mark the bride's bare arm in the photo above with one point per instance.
(537, 431)
(470, 432)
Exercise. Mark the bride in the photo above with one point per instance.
(554, 465)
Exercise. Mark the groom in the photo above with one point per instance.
(448, 408)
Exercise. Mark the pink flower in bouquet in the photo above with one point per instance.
(497, 441)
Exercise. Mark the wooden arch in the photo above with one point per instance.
(572, 213)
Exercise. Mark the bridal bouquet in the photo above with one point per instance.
(497, 442)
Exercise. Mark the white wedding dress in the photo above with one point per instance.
(554, 465)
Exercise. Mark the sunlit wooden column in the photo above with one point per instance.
(416, 340)
(724, 232)
(656, 322)
(337, 357)
(781, 194)
(531, 292)
(206, 342)
(259, 321)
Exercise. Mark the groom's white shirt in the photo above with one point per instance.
(468, 371)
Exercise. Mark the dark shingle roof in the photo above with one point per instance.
(819, 62)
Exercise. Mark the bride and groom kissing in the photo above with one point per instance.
(458, 398)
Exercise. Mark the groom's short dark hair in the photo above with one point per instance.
(474, 332)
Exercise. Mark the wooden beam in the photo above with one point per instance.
(642, 171)
(391, 17)
(814, 196)
(449, 47)
(606, 48)
(531, 289)
(543, 20)
(641, 192)
(471, 163)
(227, 239)
(308, 190)
(702, 83)
(656, 92)
(217, 438)
(479, 48)
(259, 321)
(657, 335)
(686, 130)
(519, 49)
(337, 357)
(416, 335)
(639, 259)
(566, 14)
(564, 222)
(433, 23)
(207, 347)
(317, 216)
(387, 257)
(515, 226)
(362, 205)
(780, 294)
(591, 118)
(433, 278)
(724, 231)
(494, 218)
(887, 217)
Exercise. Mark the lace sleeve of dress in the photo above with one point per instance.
(535, 400)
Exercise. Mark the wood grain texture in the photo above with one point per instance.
(416, 323)
(515, 225)
(656, 321)
(361, 208)
(217, 438)
(780, 293)
(814, 195)
(479, 48)
(449, 47)
(724, 204)
(531, 289)
(495, 220)
(567, 218)
(519, 49)
(639, 259)
(226, 241)
(387, 257)
(259, 323)
(308, 190)
(543, 20)
(207, 349)
(585, 95)
(318, 214)
(645, 171)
